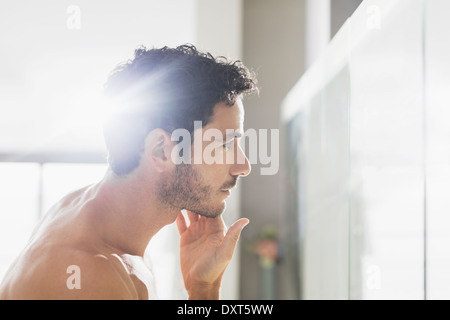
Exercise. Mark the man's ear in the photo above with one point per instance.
(158, 147)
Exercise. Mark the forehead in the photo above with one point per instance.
(227, 117)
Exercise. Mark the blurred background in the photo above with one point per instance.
(358, 90)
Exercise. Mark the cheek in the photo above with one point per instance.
(214, 175)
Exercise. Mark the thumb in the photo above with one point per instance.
(232, 237)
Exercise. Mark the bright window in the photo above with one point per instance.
(19, 198)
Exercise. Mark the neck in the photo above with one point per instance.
(127, 212)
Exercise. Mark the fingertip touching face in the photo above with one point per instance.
(203, 186)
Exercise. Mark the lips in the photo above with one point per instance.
(228, 192)
(230, 186)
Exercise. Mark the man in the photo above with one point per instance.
(90, 245)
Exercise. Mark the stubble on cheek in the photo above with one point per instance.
(185, 189)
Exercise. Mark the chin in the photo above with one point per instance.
(211, 212)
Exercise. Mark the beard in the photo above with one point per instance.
(185, 189)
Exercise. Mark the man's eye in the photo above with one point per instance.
(228, 145)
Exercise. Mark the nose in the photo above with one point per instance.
(241, 166)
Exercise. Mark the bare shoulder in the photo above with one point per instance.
(65, 259)
(65, 273)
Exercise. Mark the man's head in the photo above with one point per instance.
(202, 187)
(161, 90)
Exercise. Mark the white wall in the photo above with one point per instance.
(317, 28)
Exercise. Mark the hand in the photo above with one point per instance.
(206, 249)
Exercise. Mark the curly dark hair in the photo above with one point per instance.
(167, 88)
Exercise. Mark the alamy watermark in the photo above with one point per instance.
(74, 280)
(222, 149)
(73, 21)
(373, 21)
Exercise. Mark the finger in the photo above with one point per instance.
(181, 223)
(193, 217)
(232, 237)
(216, 224)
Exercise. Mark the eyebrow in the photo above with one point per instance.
(233, 135)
